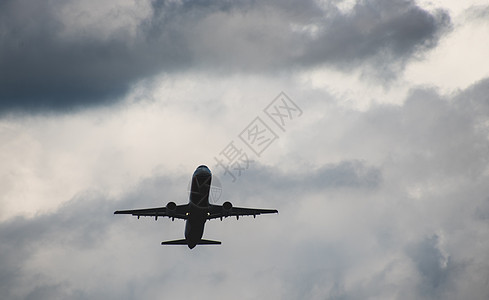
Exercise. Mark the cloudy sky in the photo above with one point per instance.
(380, 173)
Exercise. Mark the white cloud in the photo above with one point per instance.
(458, 61)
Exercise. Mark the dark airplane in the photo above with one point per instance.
(197, 211)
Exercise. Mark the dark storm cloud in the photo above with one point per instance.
(384, 33)
(44, 65)
(42, 69)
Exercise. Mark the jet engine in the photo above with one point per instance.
(227, 206)
(171, 207)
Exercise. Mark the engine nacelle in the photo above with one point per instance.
(227, 206)
(171, 207)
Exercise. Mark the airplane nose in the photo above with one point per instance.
(202, 171)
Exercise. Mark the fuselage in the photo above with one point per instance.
(199, 203)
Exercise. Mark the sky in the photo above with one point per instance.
(375, 148)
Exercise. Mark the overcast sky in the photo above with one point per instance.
(380, 172)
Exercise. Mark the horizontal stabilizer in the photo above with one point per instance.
(208, 242)
(175, 242)
(184, 242)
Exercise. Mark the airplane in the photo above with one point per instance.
(197, 211)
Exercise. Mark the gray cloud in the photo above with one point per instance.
(477, 12)
(327, 242)
(383, 33)
(433, 152)
(348, 175)
(78, 229)
(42, 69)
(50, 63)
(81, 223)
(353, 229)
(83, 226)
(434, 267)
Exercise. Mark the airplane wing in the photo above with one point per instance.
(180, 212)
(224, 211)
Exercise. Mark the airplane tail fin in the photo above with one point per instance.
(184, 242)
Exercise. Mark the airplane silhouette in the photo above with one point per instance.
(197, 211)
